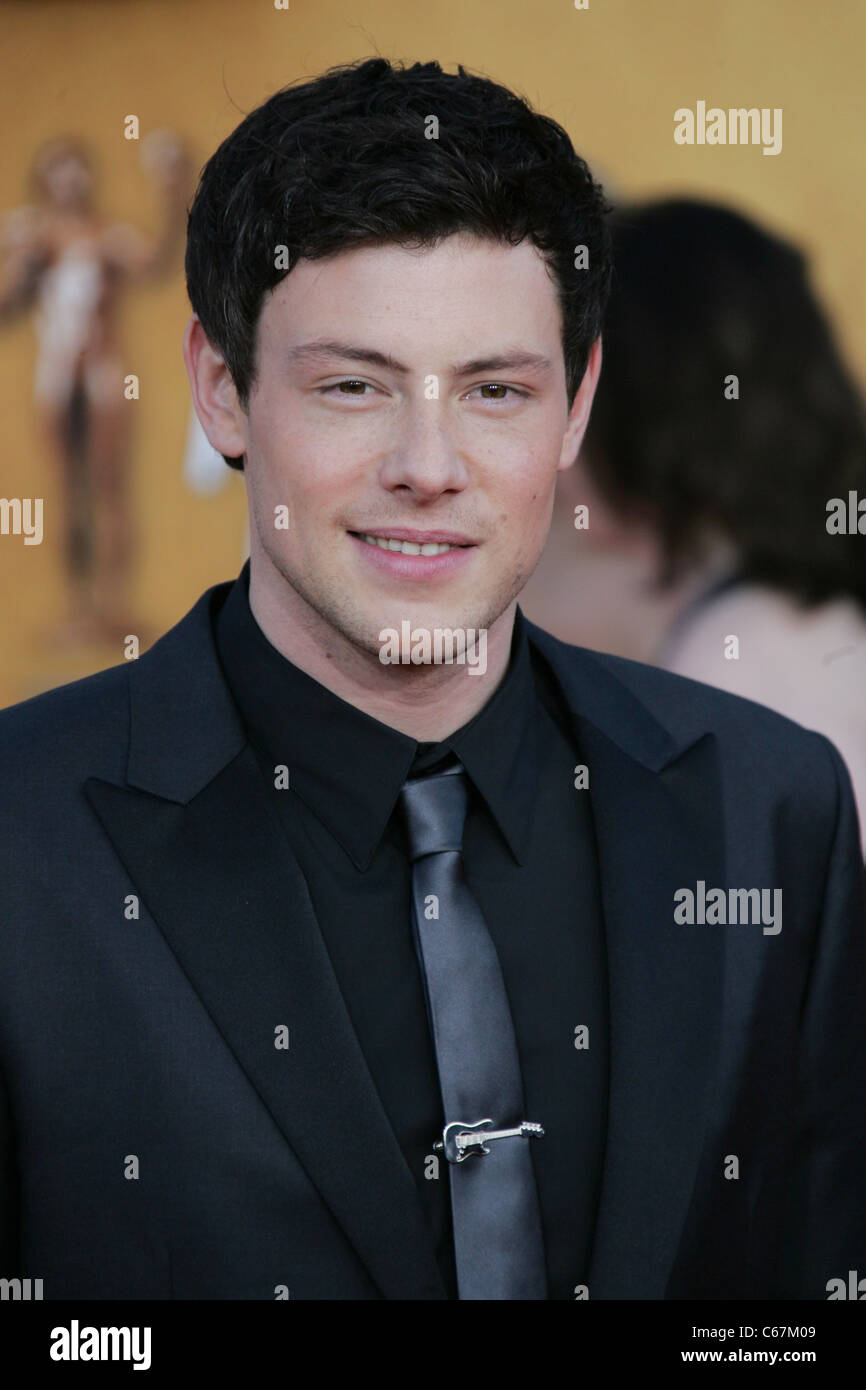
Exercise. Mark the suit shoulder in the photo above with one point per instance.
(79, 715)
(670, 691)
(759, 734)
(82, 728)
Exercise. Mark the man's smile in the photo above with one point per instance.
(408, 554)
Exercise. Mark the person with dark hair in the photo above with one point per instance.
(726, 434)
(372, 919)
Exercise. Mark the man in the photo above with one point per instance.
(356, 866)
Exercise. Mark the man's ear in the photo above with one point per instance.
(214, 393)
(578, 416)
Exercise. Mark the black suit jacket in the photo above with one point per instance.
(155, 932)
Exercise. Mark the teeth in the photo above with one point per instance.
(409, 547)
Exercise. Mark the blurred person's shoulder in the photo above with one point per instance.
(807, 664)
(753, 640)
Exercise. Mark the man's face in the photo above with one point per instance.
(437, 414)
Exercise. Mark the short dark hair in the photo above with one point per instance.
(342, 161)
(700, 294)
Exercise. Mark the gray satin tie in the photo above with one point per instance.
(498, 1243)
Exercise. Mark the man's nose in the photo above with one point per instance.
(427, 457)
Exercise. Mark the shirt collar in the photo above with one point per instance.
(348, 767)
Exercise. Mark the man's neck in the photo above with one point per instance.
(426, 702)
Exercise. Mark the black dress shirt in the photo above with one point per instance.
(530, 859)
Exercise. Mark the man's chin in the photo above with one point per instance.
(395, 630)
(414, 619)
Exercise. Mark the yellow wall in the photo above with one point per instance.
(612, 75)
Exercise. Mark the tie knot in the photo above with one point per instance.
(434, 809)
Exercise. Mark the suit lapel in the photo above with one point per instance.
(656, 807)
(200, 840)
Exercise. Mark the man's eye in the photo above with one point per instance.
(497, 386)
(351, 382)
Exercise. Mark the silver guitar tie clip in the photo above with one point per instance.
(461, 1140)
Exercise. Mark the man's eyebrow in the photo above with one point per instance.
(506, 361)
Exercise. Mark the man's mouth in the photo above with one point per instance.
(407, 546)
(425, 544)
